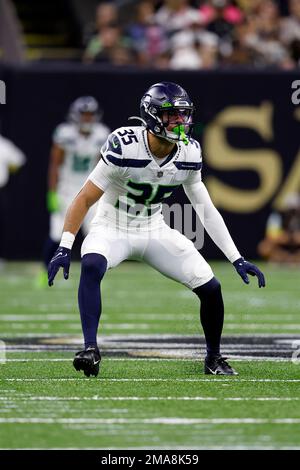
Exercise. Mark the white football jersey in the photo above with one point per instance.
(134, 184)
(82, 153)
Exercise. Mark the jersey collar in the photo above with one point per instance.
(170, 157)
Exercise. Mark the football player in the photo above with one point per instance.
(141, 166)
(74, 153)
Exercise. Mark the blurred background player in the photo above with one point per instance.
(11, 159)
(282, 241)
(75, 152)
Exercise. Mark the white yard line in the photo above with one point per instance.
(169, 421)
(148, 326)
(158, 346)
(71, 326)
(219, 379)
(38, 360)
(262, 326)
(153, 359)
(38, 317)
(159, 317)
(106, 344)
(140, 337)
(193, 358)
(99, 398)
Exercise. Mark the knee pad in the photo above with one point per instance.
(212, 287)
(94, 265)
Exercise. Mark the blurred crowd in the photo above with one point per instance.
(203, 34)
(281, 243)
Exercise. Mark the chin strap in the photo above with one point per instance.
(178, 130)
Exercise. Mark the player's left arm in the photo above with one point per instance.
(217, 230)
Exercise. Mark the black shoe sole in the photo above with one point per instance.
(81, 363)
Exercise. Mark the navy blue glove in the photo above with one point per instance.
(244, 267)
(61, 259)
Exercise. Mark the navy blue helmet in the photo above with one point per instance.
(166, 103)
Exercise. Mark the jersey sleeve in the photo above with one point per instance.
(109, 168)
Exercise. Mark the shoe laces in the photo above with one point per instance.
(222, 360)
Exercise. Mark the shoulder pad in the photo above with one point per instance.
(112, 145)
(121, 142)
(122, 148)
(195, 150)
(191, 156)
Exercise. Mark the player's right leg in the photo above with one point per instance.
(103, 248)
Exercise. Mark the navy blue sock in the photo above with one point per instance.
(50, 246)
(93, 268)
(211, 314)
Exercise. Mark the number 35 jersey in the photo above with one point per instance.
(135, 186)
(81, 153)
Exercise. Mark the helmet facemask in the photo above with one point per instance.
(157, 118)
(182, 117)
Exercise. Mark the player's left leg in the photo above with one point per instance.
(176, 257)
(212, 319)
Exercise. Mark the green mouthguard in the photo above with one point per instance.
(179, 130)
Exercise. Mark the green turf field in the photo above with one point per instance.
(151, 392)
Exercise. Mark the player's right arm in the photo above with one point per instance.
(103, 175)
(87, 196)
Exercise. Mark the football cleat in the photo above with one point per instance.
(88, 360)
(217, 365)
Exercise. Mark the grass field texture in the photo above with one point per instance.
(149, 397)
